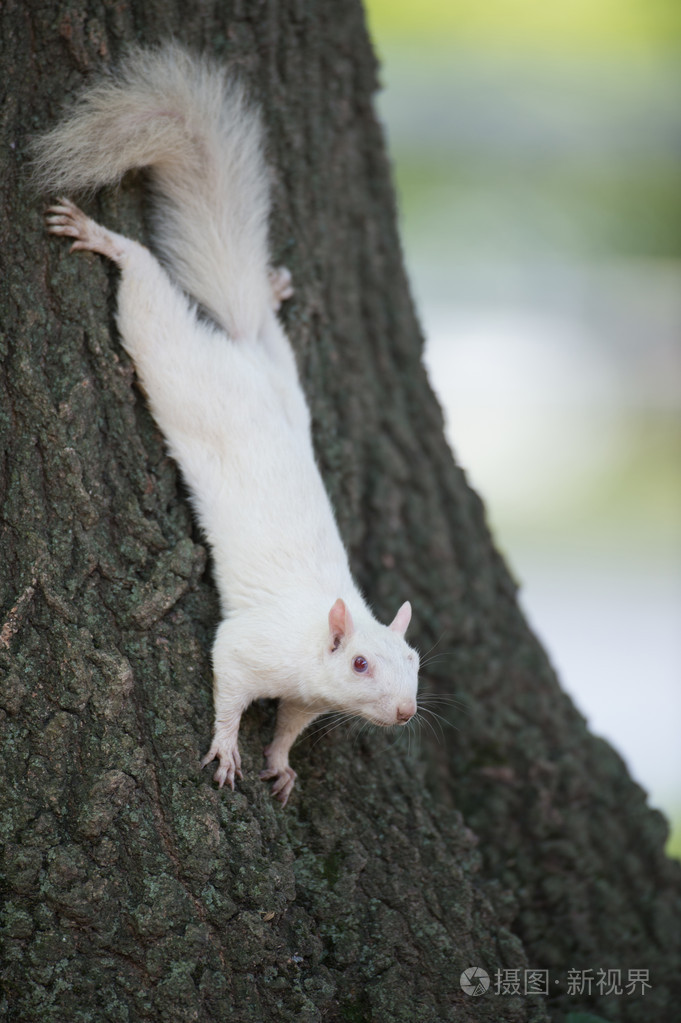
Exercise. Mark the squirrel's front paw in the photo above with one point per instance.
(283, 775)
(230, 762)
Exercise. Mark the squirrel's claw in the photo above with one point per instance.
(230, 763)
(284, 780)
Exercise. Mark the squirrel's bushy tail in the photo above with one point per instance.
(191, 124)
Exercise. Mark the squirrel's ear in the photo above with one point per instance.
(340, 623)
(401, 619)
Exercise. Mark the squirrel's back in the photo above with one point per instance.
(190, 123)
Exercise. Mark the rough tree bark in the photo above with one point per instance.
(133, 890)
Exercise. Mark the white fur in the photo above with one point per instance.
(228, 400)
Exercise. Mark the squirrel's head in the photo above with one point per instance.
(373, 670)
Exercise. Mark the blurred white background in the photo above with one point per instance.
(538, 165)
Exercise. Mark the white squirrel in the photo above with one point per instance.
(227, 397)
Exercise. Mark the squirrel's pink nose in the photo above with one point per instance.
(405, 711)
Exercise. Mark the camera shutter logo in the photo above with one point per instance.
(474, 980)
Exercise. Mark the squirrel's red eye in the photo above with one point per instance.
(360, 664)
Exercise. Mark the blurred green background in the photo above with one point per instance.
(537, 155)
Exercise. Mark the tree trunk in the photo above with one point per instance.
(134, 890)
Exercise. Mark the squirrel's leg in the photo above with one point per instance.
(172, 350)
(67, 220)
(234, 687)
(292, 718)
(228, 710)
(156, 320)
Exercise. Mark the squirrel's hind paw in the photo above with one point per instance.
(67, 220)
(280, 285)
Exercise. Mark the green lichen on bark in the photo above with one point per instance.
(132, 889)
